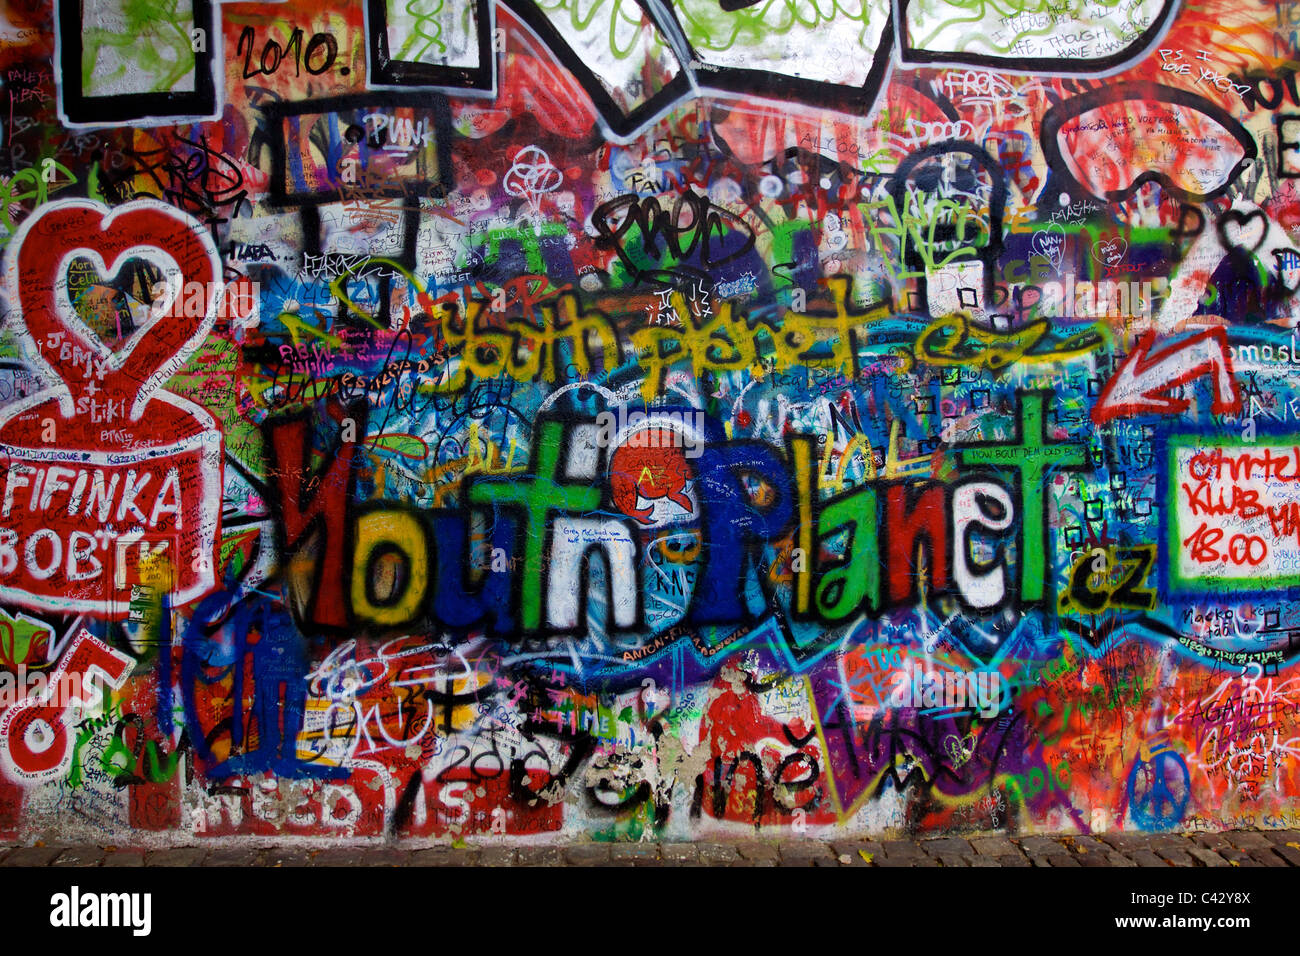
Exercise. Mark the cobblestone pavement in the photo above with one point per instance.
(1233, 848)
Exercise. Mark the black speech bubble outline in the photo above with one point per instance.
(1059, 115)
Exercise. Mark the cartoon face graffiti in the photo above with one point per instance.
(651, 466)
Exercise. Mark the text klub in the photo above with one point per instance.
(980, 535)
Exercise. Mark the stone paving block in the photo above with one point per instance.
(33, 856)
(1010, 861)
(180, 856)
(1043, 846)
(1124, 842)
(951, 845)
(993, 846)
(389, 856)
(285, 856)
(978, 860)
(588, 854)
(1211, 841)
(1182, 857)
(1145, 857)
(1237, 857)
(1266, 857)
(506, 856)
(360, 856)
(1087, 844)
(537, 856)
(433, 856)
(902, 861)
(1094, 859)
(1282, 837)
(1289, 853)
(717, 854)
(678, 853)
(806, 851)
(634, 852)
(902, 849)
(340, 856)
(1208, 857)
(1043, 859)
(759, 851)
(230, 856)
(1247, 840)
(953, 859)
(125, 857)
(80, 856)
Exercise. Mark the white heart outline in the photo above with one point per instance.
(1053, 231)
(1105, 246)
(115, 358)
(111, 357)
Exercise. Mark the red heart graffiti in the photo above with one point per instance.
(36, 271)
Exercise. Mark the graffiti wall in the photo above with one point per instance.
(598, 419)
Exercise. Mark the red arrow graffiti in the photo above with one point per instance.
(1143, 383)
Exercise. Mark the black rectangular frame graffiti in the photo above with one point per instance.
(384, 70)
(76, 108)
(276, 113)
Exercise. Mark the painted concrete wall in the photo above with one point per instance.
(606, 420)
